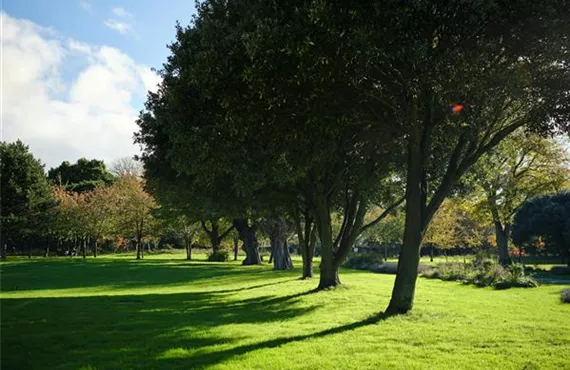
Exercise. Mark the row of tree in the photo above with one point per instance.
(312, 110)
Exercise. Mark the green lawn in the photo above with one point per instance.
(164, 312)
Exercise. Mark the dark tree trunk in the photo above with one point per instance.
(3, 248)
(328, 269)
(247, 235)
(46, 253)
(236, 248)
(279, 250)
(408, 261)
(385, 252)
(95, 246)
(271, 256)
(138, 247)
(431, 253)
(503, 243)
(29, 251)
(307, 238)
(84, 249)
(188, 249)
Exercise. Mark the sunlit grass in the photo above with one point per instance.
(165, 312)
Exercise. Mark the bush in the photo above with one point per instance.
(363, 261)
(221, 255)
(482, 272)
(565, 295)
(386, 268)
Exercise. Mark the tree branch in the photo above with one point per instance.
(383, 215)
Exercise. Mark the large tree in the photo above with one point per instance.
(25, 195)
(244, 104)
(463, 76)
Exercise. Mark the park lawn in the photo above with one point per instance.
(165, 312)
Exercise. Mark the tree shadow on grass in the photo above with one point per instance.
(211, 358)
(130, 330)
(120, 274)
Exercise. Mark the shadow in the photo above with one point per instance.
(212, 358)
(63, 273)
(148, 325)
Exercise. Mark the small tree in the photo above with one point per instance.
(135, 210)
(520, 168)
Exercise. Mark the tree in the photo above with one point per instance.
(520, 168)
(462, 77)
(277, 229)
(25, 195)
(547, 217)
(84, 175)
(126, 166)
(135, 218)
(292, 140)
(100, 211)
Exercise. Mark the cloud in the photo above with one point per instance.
(85, 5)
(115, 25)
(89, 115)
(122, 25)
(120, 12)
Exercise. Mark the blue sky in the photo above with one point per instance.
(151, 22)
(76, 72)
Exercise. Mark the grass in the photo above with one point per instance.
(165, 312)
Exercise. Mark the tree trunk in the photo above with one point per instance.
(3, 248)
(46, 253)
(188, 249)
(138, 247)
(404, 287)
(279, 248)
(328, 268)
(236, 248)
(431, 253)
(247, 235)
(307, 238)
(29, 251)
(503, 243)
(84, 249)
(95, 246)
(385, 252)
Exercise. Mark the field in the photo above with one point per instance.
(165, 313)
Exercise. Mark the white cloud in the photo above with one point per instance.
(91, 115)
(115, 25)
(85, 5)
(120, 12)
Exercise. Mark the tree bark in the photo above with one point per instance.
(46, 254)
(278, 240)
(138, 247)
(328, 270)
(247, 235)
(236, 248)
(408, 261)
(188, 249)
(431, 253)
(307, 239)
(3, 248)
(95, 249)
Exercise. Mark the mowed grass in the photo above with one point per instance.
(167, 313)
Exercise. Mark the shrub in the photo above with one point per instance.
(565, 295)
(363, 261)
(386, 268)
(482, 272)
(221, 255)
